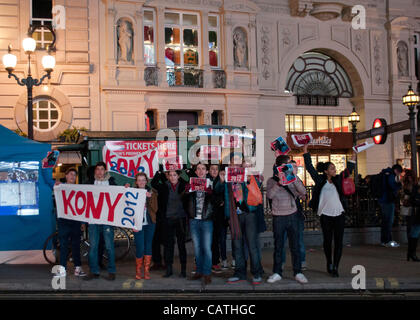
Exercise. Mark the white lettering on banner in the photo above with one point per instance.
(321, 141)
(110, 205)
(146, 162)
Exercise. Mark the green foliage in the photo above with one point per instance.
(71, 135)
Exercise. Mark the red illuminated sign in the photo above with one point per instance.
(379, 131)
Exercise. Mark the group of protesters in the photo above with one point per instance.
(172, 208)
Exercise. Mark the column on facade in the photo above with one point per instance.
(253, 51)
(207, 116)
(205, 49)
(160, 50)
(229, 51)
(140, 47)
(112, 32)
(162, 117)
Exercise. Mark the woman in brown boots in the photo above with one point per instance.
(144, 238)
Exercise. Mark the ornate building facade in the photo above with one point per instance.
(280, 65)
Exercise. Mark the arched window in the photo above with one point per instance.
(317, 79)
(46, 114)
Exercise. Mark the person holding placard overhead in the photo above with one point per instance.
(329, 201)
(285, 219)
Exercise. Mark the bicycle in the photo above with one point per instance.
(122, 244)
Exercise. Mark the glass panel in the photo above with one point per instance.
(42, 9)
(54, 115)
(297, 123)
(340, 162)
(212, 21)
(43, 125)
(336, 124)
(148, 35)
(35, 115)
(172, 36)
(190, 37)
(287, 123)
(48, 36)
(345, 122)
(149, 54)
(53, 123)
(212, 39)
(43, 115)
(43, 104)
(213, 58)
(308, 123)
(322, 124)
(323, 158)
(189, 20)
(148, 17)
(172, 18)
(190, 57)
(37, 35)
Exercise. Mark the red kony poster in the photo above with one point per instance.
(210, 152)
(235, 174)
(166, 149)
(170, 164)
(198, 184)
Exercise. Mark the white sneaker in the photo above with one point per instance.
(274, 278)
(61, 272)
(301, 278)
(233, 264)
(225, 265)
(78, 272)
(392, 244)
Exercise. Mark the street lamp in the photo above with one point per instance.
(48, 62)
(410, 100)
(354, 119)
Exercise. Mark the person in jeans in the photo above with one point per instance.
(70, 229)
(391, 186)
(171, 207)
(101, 178)
(285, 221)
(218, 246)
(144, 237)
(200, 210)
(301, 225)
(330, 203)
(243, 221)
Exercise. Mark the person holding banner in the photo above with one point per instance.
(101, 178)
(70, 229)
(329, 201)
(171, 207)
(144, 237)
(243, 221)
(220, 224)
(200, 205)
(285, 221)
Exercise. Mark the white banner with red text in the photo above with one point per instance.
(110, 205)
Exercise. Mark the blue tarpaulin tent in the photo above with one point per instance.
(23, 229)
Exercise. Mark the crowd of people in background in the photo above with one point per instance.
(173, 212)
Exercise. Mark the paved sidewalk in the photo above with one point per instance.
(386, 271)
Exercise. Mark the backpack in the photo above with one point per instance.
(347, 184)
(376, 185)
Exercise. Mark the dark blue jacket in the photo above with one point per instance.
(390, 186)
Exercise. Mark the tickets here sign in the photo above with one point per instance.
(110, 205)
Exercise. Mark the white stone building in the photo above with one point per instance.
(278, 65)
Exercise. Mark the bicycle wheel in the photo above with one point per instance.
(51, 249)
(122, 244)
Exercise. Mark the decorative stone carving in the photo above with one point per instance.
(219, 79)
(286, 40)
(300, 8)
(358, 46)
(326, 11)
(151, 76)
(377, 60)
(125, 41)
(240, 48)
(265, 47)
(402, 58)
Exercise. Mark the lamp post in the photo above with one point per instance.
(354, 119)
(48, 62)
(410, 100)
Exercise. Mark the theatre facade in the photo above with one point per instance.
(285, 66)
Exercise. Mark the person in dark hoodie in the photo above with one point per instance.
(171, 207)
(390, 187)
(330, 203)
(101, 178)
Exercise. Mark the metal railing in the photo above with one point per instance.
(363, 211)
(184, 77)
